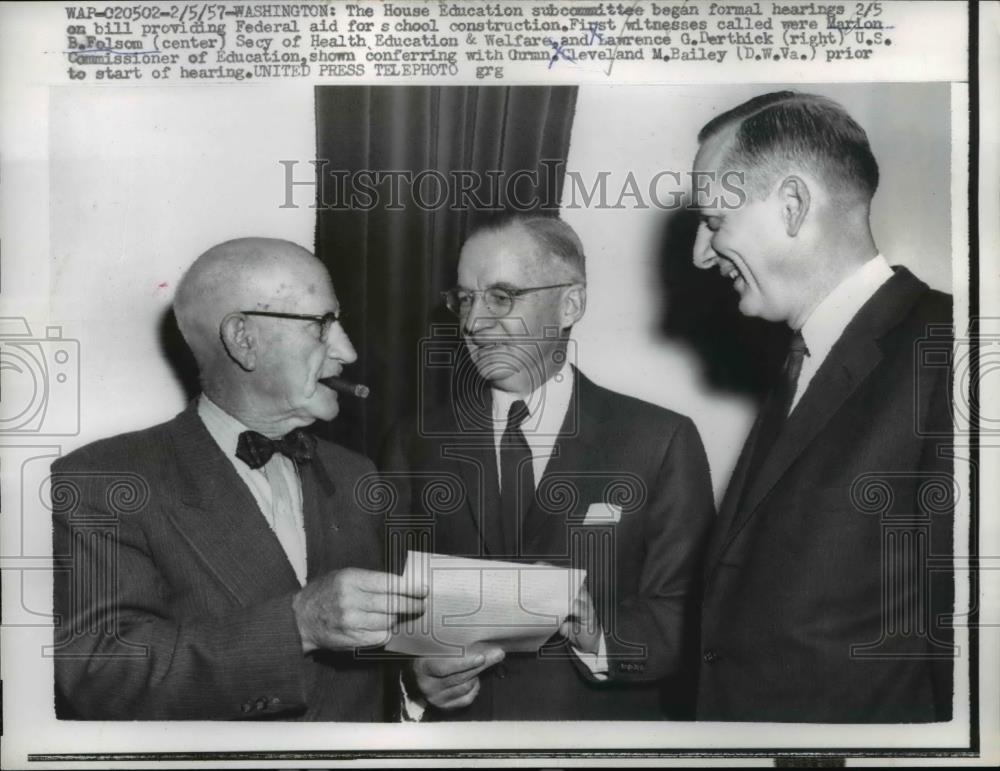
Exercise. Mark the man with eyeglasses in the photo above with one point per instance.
(217, 566)
(556, 469)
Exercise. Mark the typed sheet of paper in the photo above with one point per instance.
(513, 605)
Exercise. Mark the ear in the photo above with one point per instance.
(238, 340)
(794, 197)
(574, 304)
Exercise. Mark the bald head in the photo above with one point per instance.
(240, 275)
(254, 312)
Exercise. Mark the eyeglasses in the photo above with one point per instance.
(499, 300)
(325, 321)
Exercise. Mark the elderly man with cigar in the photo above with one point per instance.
(216, 566)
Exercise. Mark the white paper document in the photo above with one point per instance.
(509, 604)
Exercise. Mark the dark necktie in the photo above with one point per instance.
(775, 412)
(255, 449)
(517, 478)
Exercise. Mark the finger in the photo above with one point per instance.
(371, 639)
(460, 678)
(486, 649)
(391, 604)
(471, 663)
(446, 688)
(406, 587)
(347, 639)
(359, 621)
(457, 691)
(462, 696)
(386, 583)
(446, 667)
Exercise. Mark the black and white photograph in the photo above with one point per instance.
(484, 383)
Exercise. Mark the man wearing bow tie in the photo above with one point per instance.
(828, 585)
(217, 566)
(554, 468)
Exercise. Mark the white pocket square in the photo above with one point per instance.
(602, 514)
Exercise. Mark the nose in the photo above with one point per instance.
(478, 318)
(703, 255)
(339, 346)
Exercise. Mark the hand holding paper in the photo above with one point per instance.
(581, 627)
(351, 608)
(513, 606)
(453, 682)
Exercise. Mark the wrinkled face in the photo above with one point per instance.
(292, 356)
(521, 350)
(746, 244)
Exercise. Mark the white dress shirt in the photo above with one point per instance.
(830, 318)
(547, 406)
(284, 515)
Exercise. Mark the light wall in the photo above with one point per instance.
(647, 129)
(142, 181)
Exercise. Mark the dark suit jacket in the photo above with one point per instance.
(173, 597)
(642, 571)
(826, 586)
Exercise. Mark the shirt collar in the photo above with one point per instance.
(547, 404)
(830, 318)
(224, 428)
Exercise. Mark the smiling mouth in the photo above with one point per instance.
(486, 346)
(733, 274)
(498, 357)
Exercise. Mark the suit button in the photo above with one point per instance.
(246, 707)
(501, 671)
(710, 657)
(275, 701)
(261, 703)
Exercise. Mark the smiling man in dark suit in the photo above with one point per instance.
(828, 579)
(554, 468)
(217, 566)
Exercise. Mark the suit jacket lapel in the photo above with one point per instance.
(220, 519)
(319, 518)
(836, 380)
(849, 362)
(569, 457)
(734, 490)
(470, 450)
(477, 462)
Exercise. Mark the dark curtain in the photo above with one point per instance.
(391, 252)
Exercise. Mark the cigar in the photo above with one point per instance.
(346, 386)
